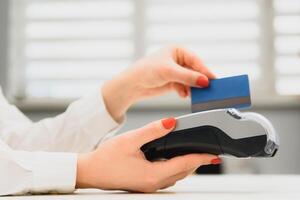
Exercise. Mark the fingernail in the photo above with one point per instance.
(216, 161)
(202, 81)
(169, 122)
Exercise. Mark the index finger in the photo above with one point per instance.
(185, 57)
(183, 163)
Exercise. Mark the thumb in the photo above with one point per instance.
(153, 130)
(187, 76)
(185, 163)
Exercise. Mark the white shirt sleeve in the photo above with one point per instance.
(79, 129)
(25, 166)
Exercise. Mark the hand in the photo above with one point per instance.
(119, 163)
(172, 68)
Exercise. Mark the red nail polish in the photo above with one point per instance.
(169, 122)
(202, 81)
(216, 161)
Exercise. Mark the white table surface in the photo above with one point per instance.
(206, 187)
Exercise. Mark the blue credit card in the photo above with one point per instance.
(229, 92)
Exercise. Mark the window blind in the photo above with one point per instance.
(225, 34)
(64, 48)
(287, 46)
(72, 46)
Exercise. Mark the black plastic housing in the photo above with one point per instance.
(205, 139)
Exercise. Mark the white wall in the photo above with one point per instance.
(3, 41)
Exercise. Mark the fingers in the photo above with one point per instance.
(182, 90)
(186, 57)
(180, 167)
(184, 163)
(185, 76)
(167, 173)
(153, 131)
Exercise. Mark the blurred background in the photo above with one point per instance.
(54, 51)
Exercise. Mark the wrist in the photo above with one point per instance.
(82, 172)
(119, 94)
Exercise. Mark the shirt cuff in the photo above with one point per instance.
(48, 172)
(54, 172)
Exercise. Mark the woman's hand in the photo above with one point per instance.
(172, 68)
(119, 163)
